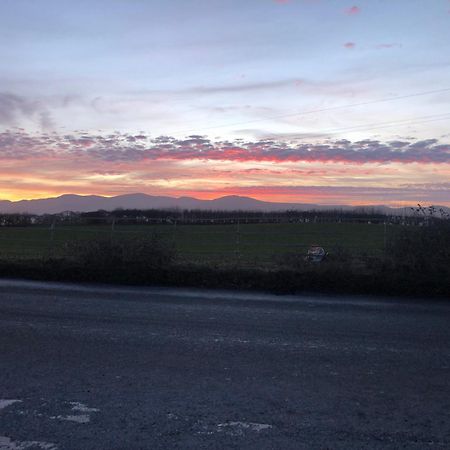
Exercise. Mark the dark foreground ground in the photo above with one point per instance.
(121, 368)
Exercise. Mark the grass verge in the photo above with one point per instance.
(324, 279)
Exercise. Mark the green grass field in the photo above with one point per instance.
(248, 243)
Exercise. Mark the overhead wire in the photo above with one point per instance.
(374, 126)
(314, 111)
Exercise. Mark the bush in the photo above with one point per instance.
(100, 256)
(421, 249)
(292, 261)
(340, 255)
(149, 253)
(112, 256)
(418, 259)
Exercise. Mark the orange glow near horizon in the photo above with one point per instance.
(319, 195)
(315, 179)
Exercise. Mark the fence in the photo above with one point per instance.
(209, 241)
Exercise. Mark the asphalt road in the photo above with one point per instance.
(133, 368)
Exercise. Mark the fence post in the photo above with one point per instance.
(113, 226)
(238, 242)
(174, 234)
(52, 237)
(385, 239)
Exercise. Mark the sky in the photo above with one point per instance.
(321, 101)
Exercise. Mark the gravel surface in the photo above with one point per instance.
(98, 367)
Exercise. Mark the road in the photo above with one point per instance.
(85, 367)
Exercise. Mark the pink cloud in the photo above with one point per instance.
(352, 11)
(350, 45)
(282, 2)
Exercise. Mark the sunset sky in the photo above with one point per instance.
(323, 101)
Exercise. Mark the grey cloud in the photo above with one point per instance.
(398, 144)
(424, 144)
(13, 107)
(242, 87)
(46, 120)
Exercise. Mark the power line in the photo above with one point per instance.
(371, 126)
(314, 111)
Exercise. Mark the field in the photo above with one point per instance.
(245, 243)
(363, 257)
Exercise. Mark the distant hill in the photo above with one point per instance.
(81, 203)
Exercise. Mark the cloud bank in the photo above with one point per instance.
(403, 171)
(19, 145)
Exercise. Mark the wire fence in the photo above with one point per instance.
(209, 241)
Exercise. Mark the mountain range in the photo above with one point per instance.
(86, 203)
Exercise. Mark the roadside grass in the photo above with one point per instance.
(325, 278)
